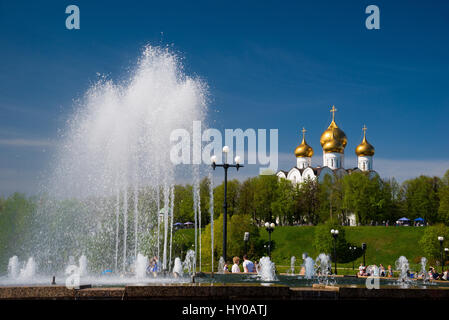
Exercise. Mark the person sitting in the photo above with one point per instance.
(248, 265)
(382, 272)
(226, 267)
(445, 275)
(361, 268)
(235, 266)
(389, 272)
(257, 266)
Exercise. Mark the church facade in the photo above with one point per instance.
(333, 141)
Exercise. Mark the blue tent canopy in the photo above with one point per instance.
(404, 219)
(419, 219)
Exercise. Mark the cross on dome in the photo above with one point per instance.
(333, 110)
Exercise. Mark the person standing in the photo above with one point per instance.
(235, 266)
(248, 265)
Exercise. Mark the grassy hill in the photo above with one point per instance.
(384, 244)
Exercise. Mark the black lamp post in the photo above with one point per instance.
(335, 235)
(246, 239)
(441, 239)
(225, 166)
(352, 250)
(364, 251)
(270, 228)
(446, 251)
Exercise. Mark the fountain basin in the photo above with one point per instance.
(213, 291)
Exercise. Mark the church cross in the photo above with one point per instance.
(333, 110)
(364, 130)
(303, 132)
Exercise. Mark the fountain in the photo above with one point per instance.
(323, 270)
(403, 266)
(177, 269)
(83, 266)
(111, 165)
(189, 262)
(28, 272)
(267, 271)
(292, 265)
(309, 266)
(13, 267)
(221, 264)
(141, 265)
(424, 274)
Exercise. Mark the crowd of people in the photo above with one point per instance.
(380, 271)
(374, 270)
(248, 265)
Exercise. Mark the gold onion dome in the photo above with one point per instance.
(333, 138)
(365, 148)
(303, 150)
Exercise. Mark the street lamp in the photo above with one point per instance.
(352, 249)
(441, 239)
(446, 251)
(364, 250)
(270, 228)
(225, 166)
(246, 239)
(335, 235)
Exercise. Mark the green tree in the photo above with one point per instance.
(443, 194)
(421, 198)
(430, 244)
(284, 201)
(246, 198)
(264, 196)
(237, 226)
(307, 204)
(232, 197)
(324, 242)
(183, 203)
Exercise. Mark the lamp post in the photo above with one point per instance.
(225, 166)
(441, 239)
(270, 228)
(246, 239)
(352, 249)
(364, 250)
(335, 235)
(446, 251)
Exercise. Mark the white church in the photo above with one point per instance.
(333, 141)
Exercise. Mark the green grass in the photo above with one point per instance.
(384, 245)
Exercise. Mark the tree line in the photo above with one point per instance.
(371, 199)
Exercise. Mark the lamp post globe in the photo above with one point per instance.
(270, 228)
(334, 233)
(225, 166)
(441, 239)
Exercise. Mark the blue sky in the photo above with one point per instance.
(268, 64)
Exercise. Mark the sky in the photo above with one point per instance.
(268, 64)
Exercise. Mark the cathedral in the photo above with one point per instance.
(333, 141)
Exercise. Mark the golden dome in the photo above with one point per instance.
(333, 139)
(365, 148)
(303, 150)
